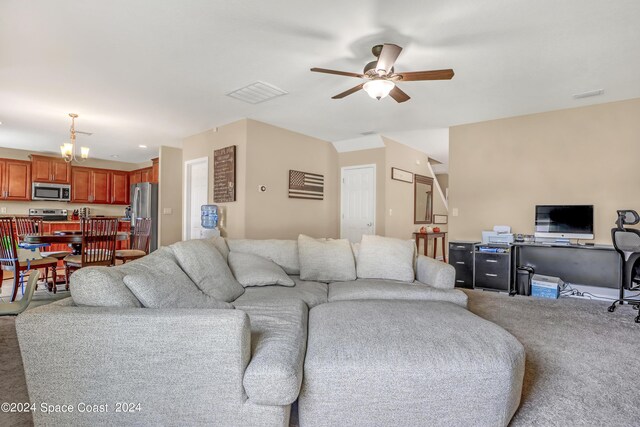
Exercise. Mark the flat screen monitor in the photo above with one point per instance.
(564, 221)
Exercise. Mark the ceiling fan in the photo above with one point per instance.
(382, 78)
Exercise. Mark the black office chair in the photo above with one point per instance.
(626, 241)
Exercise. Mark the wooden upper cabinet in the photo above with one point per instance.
(50, 169)
(18, 180)
(119, 188)
(80, 185)
(100, 186)
(155, 170)
(146, 175)
(15, 180)
(135, 177)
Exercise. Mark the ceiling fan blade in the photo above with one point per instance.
(399, 95)
(348, 92)
(339, 73)
(427, 75)
(388, 56)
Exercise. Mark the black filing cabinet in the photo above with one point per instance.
(461, 258)
(492, 267)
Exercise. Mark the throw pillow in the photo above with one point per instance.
(165, 285)
(282, 252)
(386, 258)
(326, 260)
(221, 244)
(206, 267)
(254, 270)
(101, 287)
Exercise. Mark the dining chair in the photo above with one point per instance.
(18, 262)
(17, 307)
(139, 241)
(35, 225)
(98, 245)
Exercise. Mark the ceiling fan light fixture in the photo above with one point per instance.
(378, 88)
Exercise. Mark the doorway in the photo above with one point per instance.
(196, 191)
(358, 202)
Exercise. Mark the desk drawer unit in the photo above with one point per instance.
(492, 271)
(461, 258)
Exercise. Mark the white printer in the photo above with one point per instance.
(500, 234)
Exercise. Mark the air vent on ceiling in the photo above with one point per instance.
(257, 92)
(588, 94)
(370, 132)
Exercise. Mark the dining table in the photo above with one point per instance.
(72, 237)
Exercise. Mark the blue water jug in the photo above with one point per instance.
(209, 216)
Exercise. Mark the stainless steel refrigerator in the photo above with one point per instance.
(144, 204)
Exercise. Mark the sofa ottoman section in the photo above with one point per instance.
(389, 362)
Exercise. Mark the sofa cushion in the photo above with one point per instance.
(326, 260)
(207, 268)
(368, 289)
(312, 293)
(386, 258)
(282, 252)
(101, 287)
(221, 244)
(278, 344)
(165, 285)
(254, 270)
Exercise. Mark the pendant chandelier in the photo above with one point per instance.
(68, 149)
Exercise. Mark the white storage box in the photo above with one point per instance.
(546, 286)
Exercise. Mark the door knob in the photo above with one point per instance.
(369, 224)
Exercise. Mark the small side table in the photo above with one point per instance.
(432, 236)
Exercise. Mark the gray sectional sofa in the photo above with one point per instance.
(215, 332)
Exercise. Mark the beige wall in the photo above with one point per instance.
(271, 153)
(399, 195)
(202, 145)
(374, 156)
(499, 170)
(394, 199)
(264, 156)
(22, 208)
(170, 197)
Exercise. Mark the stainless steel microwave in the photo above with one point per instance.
(46, 191)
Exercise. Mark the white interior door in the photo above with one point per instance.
(196, 190)
(358, 202)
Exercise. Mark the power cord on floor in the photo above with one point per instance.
(568, 291)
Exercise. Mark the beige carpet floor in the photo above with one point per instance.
(582, 362)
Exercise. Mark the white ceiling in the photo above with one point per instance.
(152, 72)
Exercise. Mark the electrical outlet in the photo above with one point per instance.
(167, 211)
(390, 212)
(454, 212)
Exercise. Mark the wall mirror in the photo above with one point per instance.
(422, 199)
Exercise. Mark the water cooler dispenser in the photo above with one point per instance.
(209, 221)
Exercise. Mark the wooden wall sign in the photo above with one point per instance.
(224, 175)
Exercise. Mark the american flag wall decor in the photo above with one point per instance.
(305, 185)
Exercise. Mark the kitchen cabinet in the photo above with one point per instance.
(100, 186)
(155, 170)
(15, 180)
(50, 169)
(80, 185)
(90, 185)
(135, 177)
(119, 188)
(145, 175)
